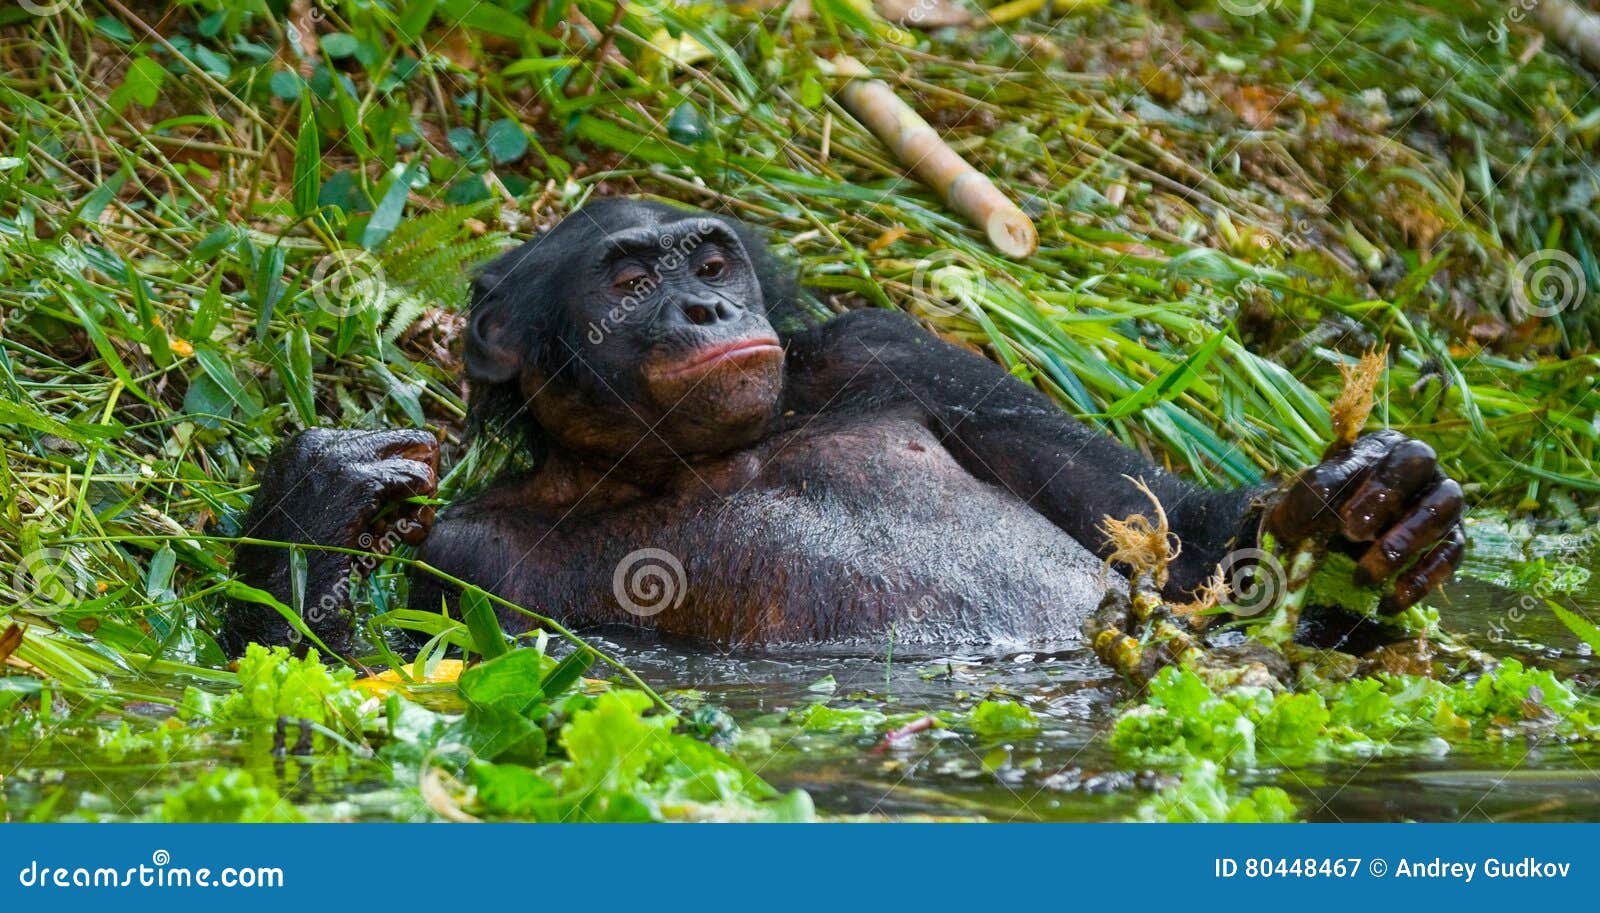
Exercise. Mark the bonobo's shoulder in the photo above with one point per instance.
(845, 360)
(864, 331)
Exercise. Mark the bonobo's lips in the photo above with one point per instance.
(721, 354)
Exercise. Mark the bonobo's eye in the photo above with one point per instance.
(712, 267)
(629, 280)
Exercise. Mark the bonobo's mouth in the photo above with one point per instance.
(720, 355)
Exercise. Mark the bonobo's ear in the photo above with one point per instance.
(494, 350)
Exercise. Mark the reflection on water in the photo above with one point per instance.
(1066, 772)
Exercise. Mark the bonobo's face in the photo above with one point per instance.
(677, 309)
(657, 337)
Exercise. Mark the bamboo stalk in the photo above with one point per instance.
(1573, 27)
(919, 147)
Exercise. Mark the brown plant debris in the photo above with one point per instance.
(1147, 548)
(1349, 412)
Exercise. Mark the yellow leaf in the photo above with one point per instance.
(683, 50)
(447, 670)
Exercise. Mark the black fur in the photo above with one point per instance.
(805, 481)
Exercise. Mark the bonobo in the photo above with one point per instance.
(709, 464)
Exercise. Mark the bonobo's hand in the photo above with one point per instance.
(347, 488)
(1385, 499)
(336, 488)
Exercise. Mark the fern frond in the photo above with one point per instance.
(429, 261)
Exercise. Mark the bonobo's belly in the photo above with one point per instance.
(834, 535)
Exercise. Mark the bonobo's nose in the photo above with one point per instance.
(706, 311)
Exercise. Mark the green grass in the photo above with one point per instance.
(207, 240)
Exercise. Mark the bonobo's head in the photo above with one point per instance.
(632, 329)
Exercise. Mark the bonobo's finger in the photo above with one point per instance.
(373, 539)
(1424, 524)
(398, 478)
(1308, 507)
(411, 523)
(409, 445)
(1431, 570)
(1383, 496)
(413, 528)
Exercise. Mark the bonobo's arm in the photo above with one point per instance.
(331, 488)
(1384, 497)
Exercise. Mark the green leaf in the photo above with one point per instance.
(1578, 625)
(483, 623)
(414, 18)
(355, 127)
(686, 125)
(1000, 719)
(113, 29)
(464, 142)
(205, 403)
(219, 371)
(811, 93)
(506, 141)
(98, 199)
(108, 352)
(267, 287)
(386, 217)
(564, 675)
(155, 335)
(510, 681)
(286, 84)
(307, 159)
(470, 189)
(496, 733)
(339, 44)
(140, 85)
(475, 14)
(515, 792)
(848, 14)
(233, 589)
(212, 62)
(1170, 384)
(27, 415)
(158, 579)
(297, 377)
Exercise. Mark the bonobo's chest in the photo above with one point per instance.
(828, 532)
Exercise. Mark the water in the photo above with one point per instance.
(1064, 772)
(1067, 772)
